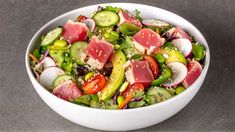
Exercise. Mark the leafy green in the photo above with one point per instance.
(129, 50)
(137, 57)
(138, 94)
(42, 49)
(137, 15)
(128, 29)
(67, 64)
(111, 37)
(165, 74)
(37, 54)
(136, 104)
(198, 51)
(113, 9)
(84, 99)
(57, 55)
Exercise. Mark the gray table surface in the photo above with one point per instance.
(21, 109)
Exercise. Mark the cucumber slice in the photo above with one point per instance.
(61, 79)
(106, 18)
(77, 50)
(160, 94)
(52, 36)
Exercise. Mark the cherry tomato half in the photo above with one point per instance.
(94, 84)
(153, 65)
(81, 18)
(131, 89)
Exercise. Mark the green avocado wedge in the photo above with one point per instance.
(116, 78)
(171, 54)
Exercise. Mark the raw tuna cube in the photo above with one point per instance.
(138, 72)
(128, 18)
(74, 31)
(99, 51)
(177, 32)
(147, 41)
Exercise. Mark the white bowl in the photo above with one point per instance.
(115, 120)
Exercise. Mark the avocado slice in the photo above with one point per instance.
(116, 78)
(171, 54)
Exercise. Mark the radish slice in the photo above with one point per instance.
(45, 63)
(48, 62)
(179, 72)
(183, 45)
(48, 76)
(90, 23)
(155, 23)
(194, 71)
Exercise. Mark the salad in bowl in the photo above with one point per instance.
(115, 59)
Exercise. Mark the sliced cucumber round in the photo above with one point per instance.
(52, 36)
(106, 18)
(77, 50)
(160, 94)
(61, 79)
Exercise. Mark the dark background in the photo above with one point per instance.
(21, 109)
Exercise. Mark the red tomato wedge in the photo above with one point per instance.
(131, 89)
(94, 84)
(153, 65)
(128, 93)
(81, 18)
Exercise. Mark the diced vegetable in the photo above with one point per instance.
(179, 89)
(60, 44)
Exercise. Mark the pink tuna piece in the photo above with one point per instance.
(68, 90)
(99, 52)
(128, 18)
(74, 31)
(178, 32)
(147, 41)
(138, 72)
(194, 71)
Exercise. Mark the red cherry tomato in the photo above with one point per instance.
(153, 65)
(81, 18)
(94, 84)
(131, 89)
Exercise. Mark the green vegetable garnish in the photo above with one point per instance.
(198, 51)
(113, 9)
(37, 54)
(165, 74)
(128, 29)
(180, 89)
(137, 15)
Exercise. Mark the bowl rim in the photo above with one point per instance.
(117, 4)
